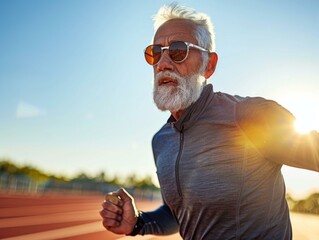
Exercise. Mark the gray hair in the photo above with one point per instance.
(204, 32)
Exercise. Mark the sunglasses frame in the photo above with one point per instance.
(188, 45)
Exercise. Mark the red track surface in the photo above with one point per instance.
(58, 216)
(76, 217)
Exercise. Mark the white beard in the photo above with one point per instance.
(175, 98)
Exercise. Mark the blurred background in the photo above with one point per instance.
(76, 107)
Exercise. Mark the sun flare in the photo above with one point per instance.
(304, 107)
(306, 124)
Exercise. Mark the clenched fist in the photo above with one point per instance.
(119, 212)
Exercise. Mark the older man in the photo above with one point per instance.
(218, 157)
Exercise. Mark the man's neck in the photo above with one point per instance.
(177, 114)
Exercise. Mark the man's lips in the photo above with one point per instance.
(167, 81)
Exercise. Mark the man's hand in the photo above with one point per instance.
(119, 212)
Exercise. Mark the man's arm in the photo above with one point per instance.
(159, 222)
(270, 127)
(121, 216)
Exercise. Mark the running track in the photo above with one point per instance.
(58, 216)
(76, 217)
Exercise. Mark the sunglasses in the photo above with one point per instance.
(177, 51)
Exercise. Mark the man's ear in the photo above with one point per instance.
(211, 65)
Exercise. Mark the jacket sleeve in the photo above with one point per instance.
(270, 128)
(159, 222)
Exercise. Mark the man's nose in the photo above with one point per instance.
(165, 62)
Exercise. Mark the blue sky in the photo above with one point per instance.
(76, 93)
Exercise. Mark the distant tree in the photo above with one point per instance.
(308, 205)
(81, 176)
(34, 173)
(115, 181)
(131, 180)
(8, 167)
(81, 182)
(146, 183)
(100, 177)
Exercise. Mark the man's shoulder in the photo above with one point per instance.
(250, 109)
(247, 103)
(259, 107)
(238, 99)
(223, 99)
(259, 115)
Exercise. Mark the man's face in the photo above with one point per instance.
(177, 85)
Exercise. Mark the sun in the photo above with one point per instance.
(304, 107)
(306, 123)
(302, 126)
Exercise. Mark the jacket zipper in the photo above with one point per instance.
(181, 143)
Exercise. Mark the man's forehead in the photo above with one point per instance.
(175, 27)
(177, 23)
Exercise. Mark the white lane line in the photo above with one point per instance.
(62, 232)
(49, 218)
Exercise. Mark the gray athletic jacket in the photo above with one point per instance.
(219, 169)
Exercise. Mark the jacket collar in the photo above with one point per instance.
(192, 113)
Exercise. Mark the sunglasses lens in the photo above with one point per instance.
(178, 51)
(153, 54)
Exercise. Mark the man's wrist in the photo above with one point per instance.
(138, 226)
